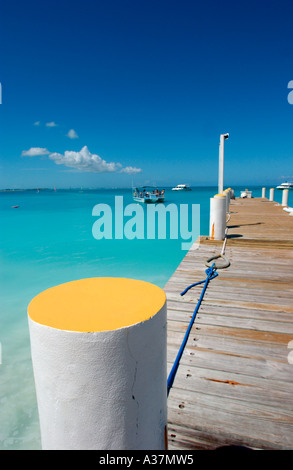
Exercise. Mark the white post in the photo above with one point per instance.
(227, 193)
(99, 358)
(221, 163)
(272, 194)
(285, 197)
(263, 193)
(218, 217)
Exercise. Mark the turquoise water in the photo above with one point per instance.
(48, 240)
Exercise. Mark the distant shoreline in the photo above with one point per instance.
(8, 190)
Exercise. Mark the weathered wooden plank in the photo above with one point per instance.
(284, 306)
(240, 322)
(217, 360)
(255, 424)
(177, 309)
(271, 288)
(200, 339)
(261, 337)
(235, 386)
(263, 296)
(180, 437)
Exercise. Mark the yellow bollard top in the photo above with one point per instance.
(97, 304)
(220, 195)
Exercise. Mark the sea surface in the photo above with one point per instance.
(48, 240)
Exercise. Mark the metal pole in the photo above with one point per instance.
(221, 163)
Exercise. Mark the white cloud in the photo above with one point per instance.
(37, 123)
(72, 134)
(130, 170)
(34, 152)
(84, 160)
(51, 124)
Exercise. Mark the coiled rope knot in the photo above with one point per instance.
(223, 265)
(211, 270)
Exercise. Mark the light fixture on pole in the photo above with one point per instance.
(223, 137)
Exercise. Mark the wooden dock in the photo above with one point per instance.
(234, 385)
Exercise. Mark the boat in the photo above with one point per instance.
(285, 186)
(181, 187)
(148, 194)
(245, 194)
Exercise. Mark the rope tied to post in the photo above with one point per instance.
(211, 274)
(226, 263)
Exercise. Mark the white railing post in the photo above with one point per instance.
(227, 193)
(285, 197)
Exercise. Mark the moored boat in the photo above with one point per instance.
(182, 187)
(286, 185)
(148, 194)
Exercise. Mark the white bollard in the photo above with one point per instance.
(272, 194)
(227, 193)
(98, 349)
(285, 197)
(218, 217)
(263, 193)
(232, 194)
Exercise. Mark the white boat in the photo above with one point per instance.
(181, 187)
(148, 194)
(245, 194)
(285, 186)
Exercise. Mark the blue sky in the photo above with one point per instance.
(106, 93)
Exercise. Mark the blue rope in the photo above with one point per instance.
(211, 274)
